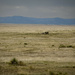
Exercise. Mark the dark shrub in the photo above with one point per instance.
(45, 33)
(69, 46)
(14, 61)
(52, 45)
(73, 66)
(25, 43)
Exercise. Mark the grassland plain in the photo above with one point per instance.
(40, 53)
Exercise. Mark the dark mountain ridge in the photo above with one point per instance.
(31, 20)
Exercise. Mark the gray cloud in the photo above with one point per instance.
(38, 8)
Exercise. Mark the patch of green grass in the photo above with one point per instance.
(62, 46)
(59, 73)
(66, 46)
(31, 68)
(70, 46)
(40, 68)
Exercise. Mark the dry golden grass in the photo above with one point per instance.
(29, 28)
(28, 44)
(38, 46)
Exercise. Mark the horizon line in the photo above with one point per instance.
(37, 17)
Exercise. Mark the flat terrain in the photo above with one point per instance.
(41, 52)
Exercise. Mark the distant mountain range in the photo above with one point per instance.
(30, 20)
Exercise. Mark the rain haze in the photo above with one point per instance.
(38, 8)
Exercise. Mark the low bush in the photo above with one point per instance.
(14, 61)
(70, 46)
(45, 33)
(25, 43)
(52, 45)
(73, 66)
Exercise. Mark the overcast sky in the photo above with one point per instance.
(38, 8)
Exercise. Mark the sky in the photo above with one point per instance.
(38, 8)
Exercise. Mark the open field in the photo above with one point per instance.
(40, 52)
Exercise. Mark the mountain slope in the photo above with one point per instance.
(30, 20)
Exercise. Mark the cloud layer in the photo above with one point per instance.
(38, 8)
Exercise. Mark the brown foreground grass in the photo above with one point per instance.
(40, 53)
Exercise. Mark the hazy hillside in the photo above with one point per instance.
(30, 20)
